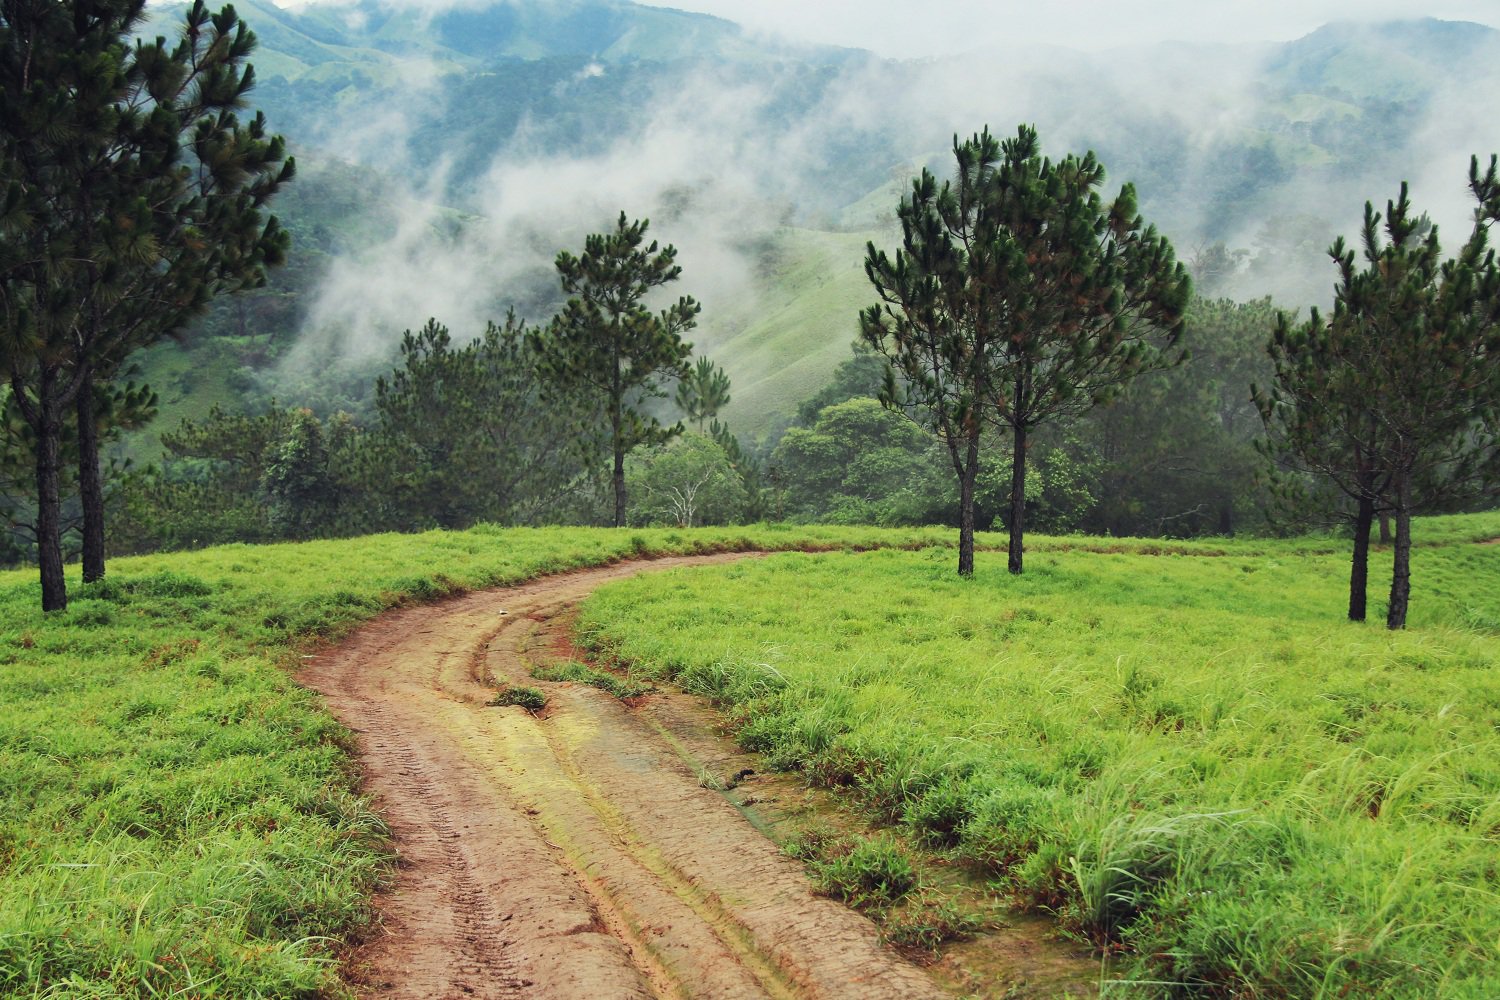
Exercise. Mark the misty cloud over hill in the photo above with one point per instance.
(505, 132)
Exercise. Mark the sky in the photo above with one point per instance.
(910, 29)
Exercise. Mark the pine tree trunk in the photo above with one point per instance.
(1226, 516)
(48, 427)
(617, 418)
(966, 509)
(1017, 498)
(619, 483)
(90, 482)
(1359, 572)
(1401, 576)
(1385, 528)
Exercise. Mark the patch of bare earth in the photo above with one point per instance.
(577, 854)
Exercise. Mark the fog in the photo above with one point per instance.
(718, 167)
(946, 27)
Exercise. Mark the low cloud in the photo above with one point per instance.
(717, 163)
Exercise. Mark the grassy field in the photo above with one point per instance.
(1182, 751)
(176, 816)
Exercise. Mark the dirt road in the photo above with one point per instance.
(576, 854)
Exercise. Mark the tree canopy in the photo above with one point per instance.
(606, 341)
(1019, 296)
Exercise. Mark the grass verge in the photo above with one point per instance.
(1187, 758)
(177, 817)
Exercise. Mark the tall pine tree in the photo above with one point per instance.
(606, 342)
(134, 196)
(1019, 297)
(1395, 396)
(935, 326)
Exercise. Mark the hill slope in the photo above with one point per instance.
(769, 166)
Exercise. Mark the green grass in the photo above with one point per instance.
(530, 698)
(582, 673)
(1188, 757)
(867, 872)
(176, 816)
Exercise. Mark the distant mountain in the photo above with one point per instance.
(770, 165)
(1393, 61)
(297, 42)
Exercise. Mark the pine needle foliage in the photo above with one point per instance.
(608, 343)
(1019, 297)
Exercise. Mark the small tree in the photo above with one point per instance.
(608, 343)
(300, 488)
(1394, 397)
(703, 392)
(687, 482)
(860, 463)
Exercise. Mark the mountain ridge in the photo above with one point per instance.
(807, 151)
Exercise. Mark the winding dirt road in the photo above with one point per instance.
(576, 854)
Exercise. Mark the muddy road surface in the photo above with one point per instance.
(573, 854)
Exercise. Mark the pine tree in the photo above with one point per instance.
(1100, 300)
(1395, 396)
(703, 392)
(300, 489)
(134, 196)
(1019, 298)
(606, 342)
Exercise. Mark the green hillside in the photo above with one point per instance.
(1336, 111)
(810, 288)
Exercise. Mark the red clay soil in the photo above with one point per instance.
(576, 854)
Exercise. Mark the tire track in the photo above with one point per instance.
(572, 855)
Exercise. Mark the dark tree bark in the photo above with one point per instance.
(1385, 528)
(967, 476)
(1017, 498)
(619, 483)
(45, 417)
(1401, 576)
(1359, 572)
(617, 414)
(90, 481)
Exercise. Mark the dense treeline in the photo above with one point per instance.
(1174, 455)
(460, 435)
